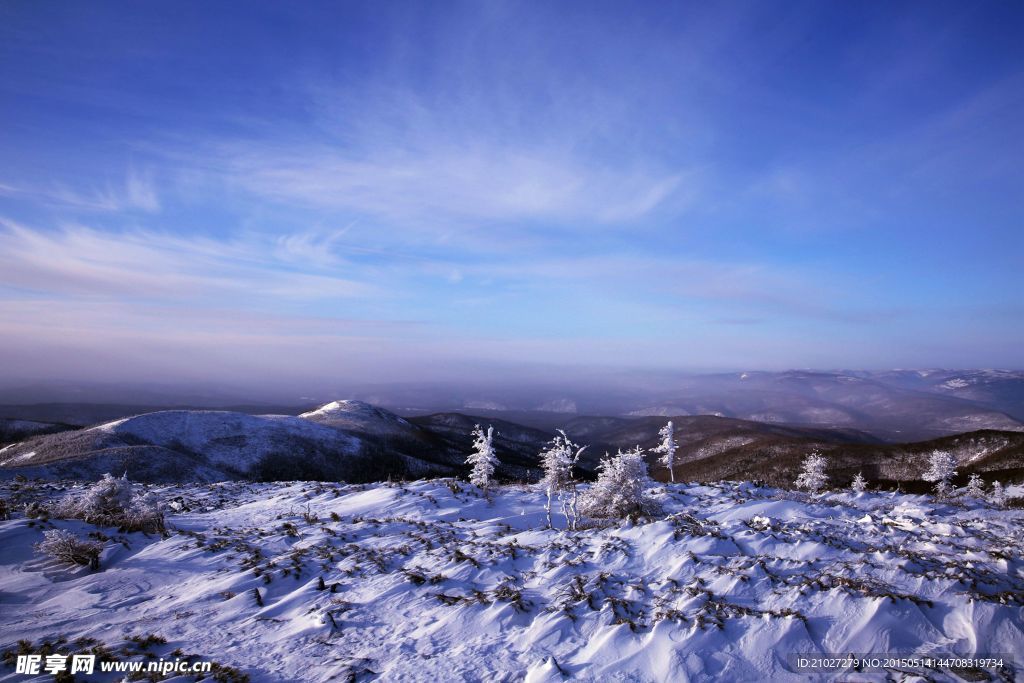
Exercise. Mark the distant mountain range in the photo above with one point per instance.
(355, 441)
(893, 405)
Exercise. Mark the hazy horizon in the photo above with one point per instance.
(323, 195)
(597, 391)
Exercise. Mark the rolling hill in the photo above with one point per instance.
(355, 441)
(342, 440)
(989, 453)
(182, 445)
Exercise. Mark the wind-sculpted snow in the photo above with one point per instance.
(432, 581)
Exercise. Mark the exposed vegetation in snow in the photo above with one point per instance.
(113, 502)
(432, 580)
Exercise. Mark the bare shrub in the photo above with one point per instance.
(65, 547)
(112, 502)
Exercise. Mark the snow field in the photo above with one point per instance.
(433, 581)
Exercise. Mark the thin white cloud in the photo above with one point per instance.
(78, 261)
(491, 184)
(140, 191)
(482, 155)
(137, 191)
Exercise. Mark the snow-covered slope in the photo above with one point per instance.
(232, 440)
(184, 445)
(342, 440)
(359, 416)
(430, 581)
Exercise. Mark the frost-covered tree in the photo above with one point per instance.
(941, 468)
(483, 459)
(668, 448)
(812, 477)
(860, 484)
(997, 496)
(557, 461)
(975, 487)
(621, 489)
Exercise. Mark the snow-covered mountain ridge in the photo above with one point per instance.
(184, 445)
(342, 440)
(355, 441)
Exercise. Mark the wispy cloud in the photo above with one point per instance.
(136, 192)
(561, 153)
(478, 182)
(78, 261)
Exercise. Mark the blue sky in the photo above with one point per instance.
(384, 191)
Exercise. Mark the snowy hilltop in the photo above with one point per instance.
(439, 580)
(342, 440)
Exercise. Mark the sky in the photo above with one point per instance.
(286, 192)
